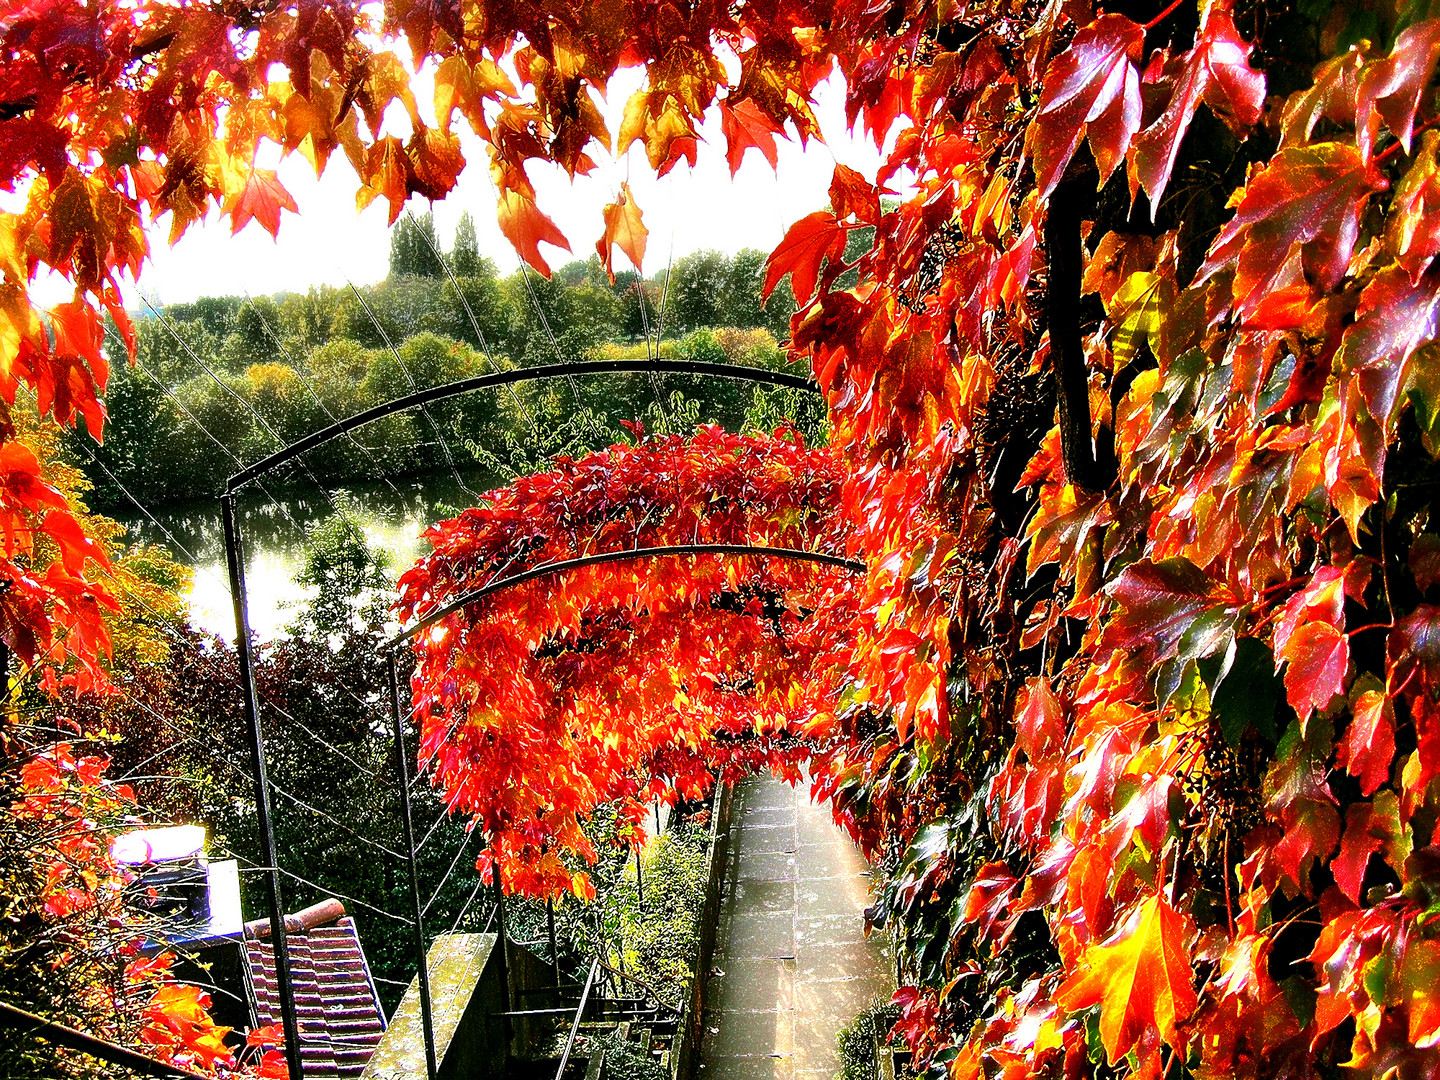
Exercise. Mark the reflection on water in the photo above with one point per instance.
(274, 534)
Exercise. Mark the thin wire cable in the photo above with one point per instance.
(373, 708)
(211, 436)
(245, 774)
(334, 509)
(252, 867)
(439, 435)
(319, 401)
(644, 314)
(169, 327)
(474, 322)
(664, 297)
(645, 322)
(174, 630)
(279, 439)
(464, 980)
(544, 322)
(176, 544)
(659, 330)
(555, 345)
(146, 513)
(466, 908)
(267, 702)
(444, 816)
(256, 868)
(464, 843)
(220, 756)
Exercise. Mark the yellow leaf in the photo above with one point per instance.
(1137, 310)
(1140, 978)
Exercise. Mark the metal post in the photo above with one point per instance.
(235, 561)
(501, 938)
(10, 700)
(554, 954)
(507, 1031)
(402, 774)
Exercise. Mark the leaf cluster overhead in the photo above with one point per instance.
(626, 681)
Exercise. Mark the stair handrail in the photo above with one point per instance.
(73, 1039)
(575, 1026)
(660, 1001)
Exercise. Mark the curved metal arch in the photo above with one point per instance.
(503, 378)
(236, 566)
(566, 565)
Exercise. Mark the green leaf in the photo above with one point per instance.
(1377, 979)
(1301, 996)
(1244, 696)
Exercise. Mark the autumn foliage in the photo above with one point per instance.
(632, 680)
(1134, 415)
(75, 946)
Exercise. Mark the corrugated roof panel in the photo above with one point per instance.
(340, 1019)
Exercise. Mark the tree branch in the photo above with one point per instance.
(1068, 204)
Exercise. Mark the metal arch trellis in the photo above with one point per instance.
(235, 564)
(505, 378)
(624, 555)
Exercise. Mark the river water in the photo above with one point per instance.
(273, 531)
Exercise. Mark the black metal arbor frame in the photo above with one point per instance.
(235, 563)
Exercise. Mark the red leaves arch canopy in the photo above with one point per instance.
(634, 680)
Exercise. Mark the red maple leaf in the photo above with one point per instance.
(745, 126)
(1092, 88)
(1391, 89)
(815, 237)
(1217, 70)
(1359, 843)
(1307, 200)
(1319, 659)
(1368, 748)
(851, 193)
(1397, 316)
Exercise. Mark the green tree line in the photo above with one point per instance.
(229, 379)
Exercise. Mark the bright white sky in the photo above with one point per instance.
(689, 210)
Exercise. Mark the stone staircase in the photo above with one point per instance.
(642, 1040)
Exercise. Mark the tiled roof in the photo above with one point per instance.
(339, 1017)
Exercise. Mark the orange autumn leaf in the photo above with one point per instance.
(851, 193)
(813, 238)
(1140, 978)
(527, 228)
(623, 229)
(1419, 986)
(261, 199)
